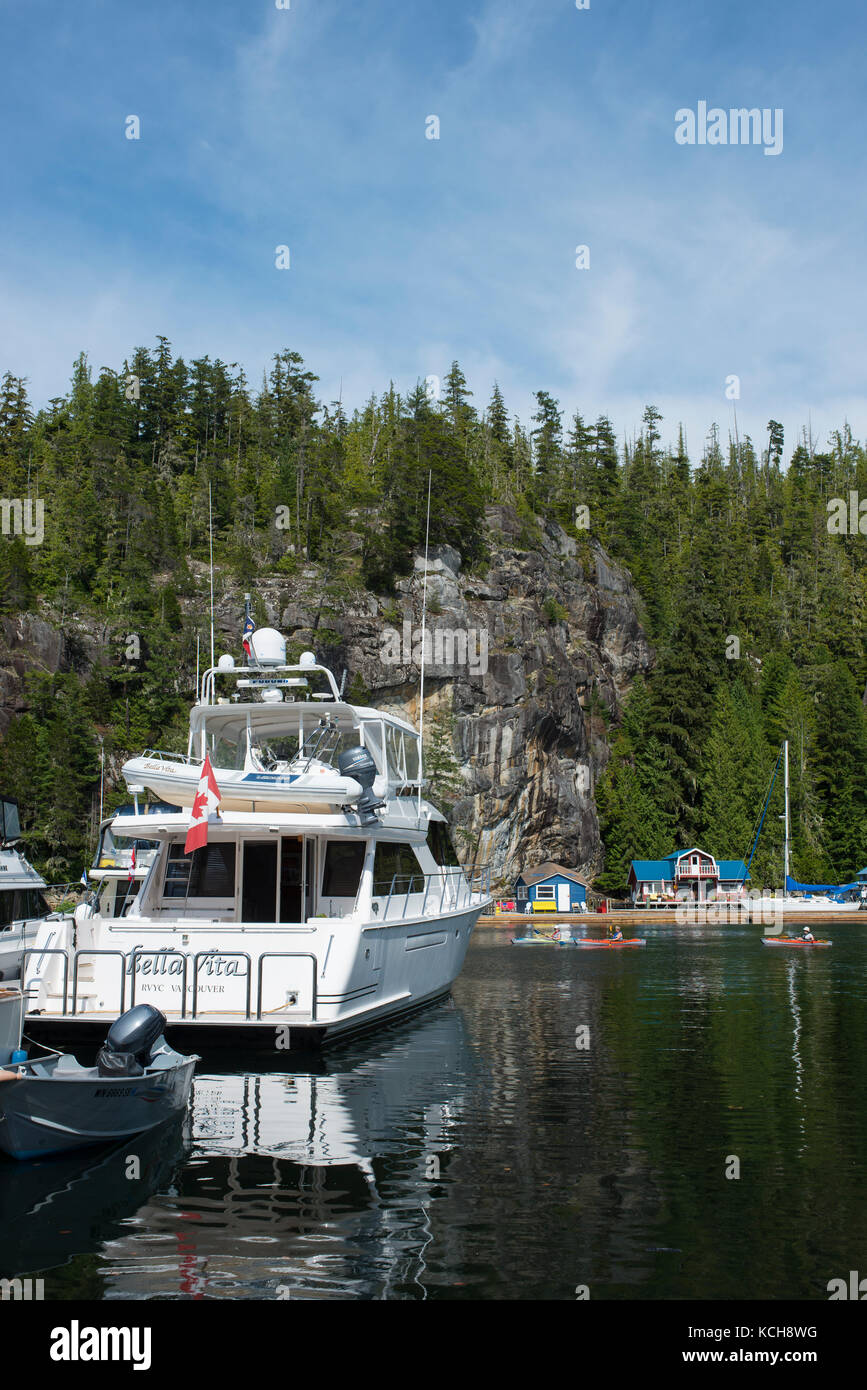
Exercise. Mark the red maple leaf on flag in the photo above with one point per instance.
(206, 803)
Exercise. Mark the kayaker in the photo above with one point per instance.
(808, 935)
(614, 933)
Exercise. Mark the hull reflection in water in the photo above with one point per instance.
(302, 1184)
(53, 1209)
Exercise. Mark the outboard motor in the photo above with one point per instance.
(357, 762)
(127, 1049)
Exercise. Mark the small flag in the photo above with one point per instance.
(132, 865)
(206, 804)
(83, 879)
(249, 629)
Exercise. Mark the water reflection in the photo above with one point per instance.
(478, 1152)
(53, 1209)
(282, 1185)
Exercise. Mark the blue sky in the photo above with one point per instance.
(306, 127)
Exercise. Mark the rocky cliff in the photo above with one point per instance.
(527, 665)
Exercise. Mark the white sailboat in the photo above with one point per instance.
(327, 898)
(815, 898)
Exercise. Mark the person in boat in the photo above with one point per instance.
(614, 933)
(808, 935)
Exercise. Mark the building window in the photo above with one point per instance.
(546, 891)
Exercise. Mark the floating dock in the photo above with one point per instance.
(664, 917)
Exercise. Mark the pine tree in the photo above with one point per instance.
(548, 453)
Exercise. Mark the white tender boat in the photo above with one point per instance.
(327, 899)
(53, 1104)
(263, 762)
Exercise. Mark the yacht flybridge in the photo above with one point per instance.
(326, 899)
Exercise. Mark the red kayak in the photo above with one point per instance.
(791, 941)
(607, 945)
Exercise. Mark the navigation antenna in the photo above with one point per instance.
(423, 649)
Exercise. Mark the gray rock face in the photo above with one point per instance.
(527, 663)
(526, 666)
(26, 644)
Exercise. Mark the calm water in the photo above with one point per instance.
(476, 1152)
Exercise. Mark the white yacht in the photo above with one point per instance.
(22, 905)
(327, 898)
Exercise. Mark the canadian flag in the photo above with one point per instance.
(206, 804)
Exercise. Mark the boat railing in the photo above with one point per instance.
(163, 755)
(449, 890)
(152, 961)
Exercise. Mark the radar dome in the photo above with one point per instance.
(226, 662)
(269, 646)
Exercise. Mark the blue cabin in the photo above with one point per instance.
(550, 888)
(691, 874)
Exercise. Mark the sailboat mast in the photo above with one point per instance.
(423, 646)
(786, 840)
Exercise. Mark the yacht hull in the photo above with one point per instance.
(279, 986)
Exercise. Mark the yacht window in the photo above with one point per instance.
(18, 904)
(115, 852)
(410, 744)
(373, 742)
(208, 872)
(394, 750)
(396, 864)
(344, 860)
(275, 753)
(10, 825)
(439, 842)
(227, 753)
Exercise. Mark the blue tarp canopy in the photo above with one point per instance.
(793, 887)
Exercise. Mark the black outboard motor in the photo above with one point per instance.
(131, 1038)
(357, 763)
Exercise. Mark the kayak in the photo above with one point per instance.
(534, 941)
(607, 945)
(790, 941)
